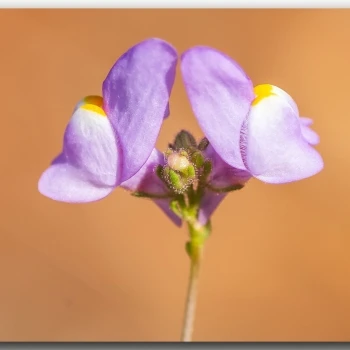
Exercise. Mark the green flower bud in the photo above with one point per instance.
(197, 159)
(184, 140)
(175, 181)
(189, 172)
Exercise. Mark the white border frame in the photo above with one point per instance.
(174, 4)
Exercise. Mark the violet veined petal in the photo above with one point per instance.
(146, 180)
(86, 170)
(273, 147)
(224, 175)
(220, 94)
(209, 203)
(136, 95)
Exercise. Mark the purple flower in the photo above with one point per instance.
(252, 131)
(146, 181)
(108, 139)
(257, 130)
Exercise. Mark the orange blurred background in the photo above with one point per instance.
(277, 264)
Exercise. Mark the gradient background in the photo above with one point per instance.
(277, 265)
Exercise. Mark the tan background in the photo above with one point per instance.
(277, 265)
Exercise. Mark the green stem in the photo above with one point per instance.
(196, 254)
(195, 249)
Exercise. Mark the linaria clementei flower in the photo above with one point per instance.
(253, 131)
(249, 132)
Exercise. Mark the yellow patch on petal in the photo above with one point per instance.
(262, 91)
(93, 103)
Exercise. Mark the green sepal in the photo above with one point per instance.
(159, 172)
(197, 159)
(207, 168)
(141, 194)
(225, 189)
(203, 144)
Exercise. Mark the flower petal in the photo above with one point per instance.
(309, 135)
(306, 121)
(136, 94)
(63, 182)
(147, 181)
(224, 175)
(209, 203)
(220, 94)
(273, 147)
(280, 92)
(163, 204)
(89, 158)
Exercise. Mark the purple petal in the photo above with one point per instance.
(65, 183)
(273, 147)
(306, 121)
(146, 180)
(209, 203)
(224, 175)
(163, 204)
(281, 93)
(220, 94)
(136, 94)
(86, 170)
(309, 135)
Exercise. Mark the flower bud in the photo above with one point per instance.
(197, 158)
(184, 140)
(179, 172)
(178, 162)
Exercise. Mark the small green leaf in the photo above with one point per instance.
(176, 208)
(188, 248)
